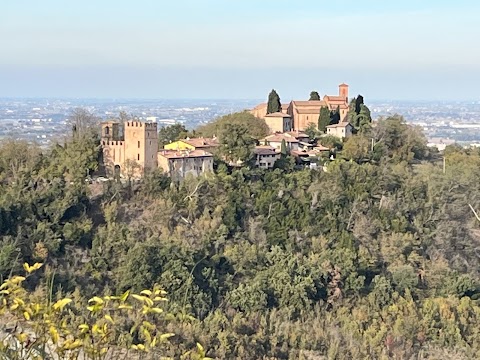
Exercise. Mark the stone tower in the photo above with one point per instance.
(113, 147)
(141, 145)
(343, 91)
(129, 149)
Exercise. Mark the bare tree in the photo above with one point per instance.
(84, 122)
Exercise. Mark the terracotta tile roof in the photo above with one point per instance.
(277, 114)
(260, 106)
(314, 111)
(178, 154)
(343, 85)
(340, 124)
(334, 106)
(329, 99)
(264, 105)
(296, 134)
(320, 148)
(264, 150)
(310, 152)
(299, 153)
(279, 138)
(312, 103)
(202, 142)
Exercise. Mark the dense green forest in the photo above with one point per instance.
(376, 258)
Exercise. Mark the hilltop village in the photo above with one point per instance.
(373, 254)
(307, 131)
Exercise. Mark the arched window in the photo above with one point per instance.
(107, 131)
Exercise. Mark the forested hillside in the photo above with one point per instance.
(376, 258)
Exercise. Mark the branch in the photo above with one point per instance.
(194, 191)
(476, 215)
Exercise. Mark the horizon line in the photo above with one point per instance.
(123, 98)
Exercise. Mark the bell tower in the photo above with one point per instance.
(343, 92)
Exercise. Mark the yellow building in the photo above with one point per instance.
(206, 144)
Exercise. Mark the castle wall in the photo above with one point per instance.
(113, 154)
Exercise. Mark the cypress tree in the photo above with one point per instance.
(283, 148)
(358, 103)
(323, 119)
(274, 104)
(314, 95)
(335, 116)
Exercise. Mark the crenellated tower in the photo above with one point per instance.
(131, 148)
(141, 144)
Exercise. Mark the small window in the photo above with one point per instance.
(150, 142)
(138, 157)
(139, 144)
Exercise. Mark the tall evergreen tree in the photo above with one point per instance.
(323, 119)
(274, 104)
(359, 114)
(314, 95)
(283, 148)
(358, 103)
(363, 119)
(335, 116)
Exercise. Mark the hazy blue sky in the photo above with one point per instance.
(425, 49)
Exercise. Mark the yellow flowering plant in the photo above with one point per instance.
(109, 327)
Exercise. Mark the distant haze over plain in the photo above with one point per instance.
(408, 50)
(205, 83)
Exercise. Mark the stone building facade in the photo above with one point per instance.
(279, 122)
(341, 130)
(129, 149)
(265, 156)
(179, 164)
